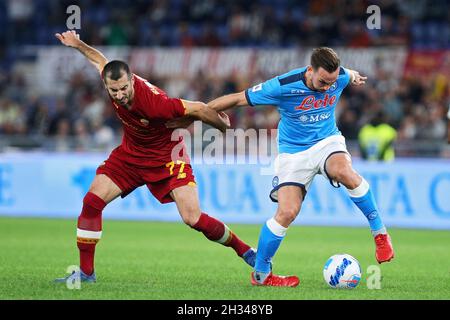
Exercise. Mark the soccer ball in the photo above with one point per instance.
(342, 271)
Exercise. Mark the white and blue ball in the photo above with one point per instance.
(342, 271)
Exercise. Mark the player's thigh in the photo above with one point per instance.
(105, 188)
(339, 167)
(290, 200)
(186, 198)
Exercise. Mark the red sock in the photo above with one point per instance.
(89, 230)
(216, 231)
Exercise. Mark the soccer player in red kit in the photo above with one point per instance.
(145, 157)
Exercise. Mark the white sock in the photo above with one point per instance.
(276, 228)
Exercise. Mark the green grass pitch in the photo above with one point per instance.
(155, 260)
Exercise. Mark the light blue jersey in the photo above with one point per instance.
(307, 116)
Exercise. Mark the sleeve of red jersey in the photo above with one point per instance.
(164, 107)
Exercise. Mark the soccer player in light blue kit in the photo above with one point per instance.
(309, 143)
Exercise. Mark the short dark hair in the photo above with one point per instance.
(114, 70)
(326, 58)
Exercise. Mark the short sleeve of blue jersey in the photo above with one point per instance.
(344, 77)
(268, 92)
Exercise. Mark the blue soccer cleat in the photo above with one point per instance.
(78, 275)
(250, 257)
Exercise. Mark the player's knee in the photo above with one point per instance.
(288, 214)
(189, 221)
(190, 216)
(343, 174)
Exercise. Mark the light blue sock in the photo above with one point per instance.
(363, 197)
(272, 233)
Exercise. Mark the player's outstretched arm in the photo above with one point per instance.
(72, 39)
(356, 79)
(220, 104)
(229, 101)
(199, 110)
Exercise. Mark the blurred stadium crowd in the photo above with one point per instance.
(415, 106)
(421, 23)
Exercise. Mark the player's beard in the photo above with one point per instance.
(126, 101)
(310, 84)
(123, 102)
(316, 89)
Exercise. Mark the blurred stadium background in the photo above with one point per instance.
(51, 99)
(57, 125)
(55, 113)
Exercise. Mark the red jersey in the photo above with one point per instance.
(146, 139)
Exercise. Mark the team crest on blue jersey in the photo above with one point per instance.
(333, 87)
(275, 181)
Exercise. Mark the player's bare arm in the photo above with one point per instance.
(220, 104)
(228, 101)
(199, 110)
(356, 79)
(72, 39)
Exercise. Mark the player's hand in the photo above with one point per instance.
(69, 38)
(358, 79)
(182, 122)
(224, 117)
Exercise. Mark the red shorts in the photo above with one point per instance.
(159, 180)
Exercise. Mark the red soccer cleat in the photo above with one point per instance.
(273, 280)
(384, 251)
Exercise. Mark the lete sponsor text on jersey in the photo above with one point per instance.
(311, 102)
